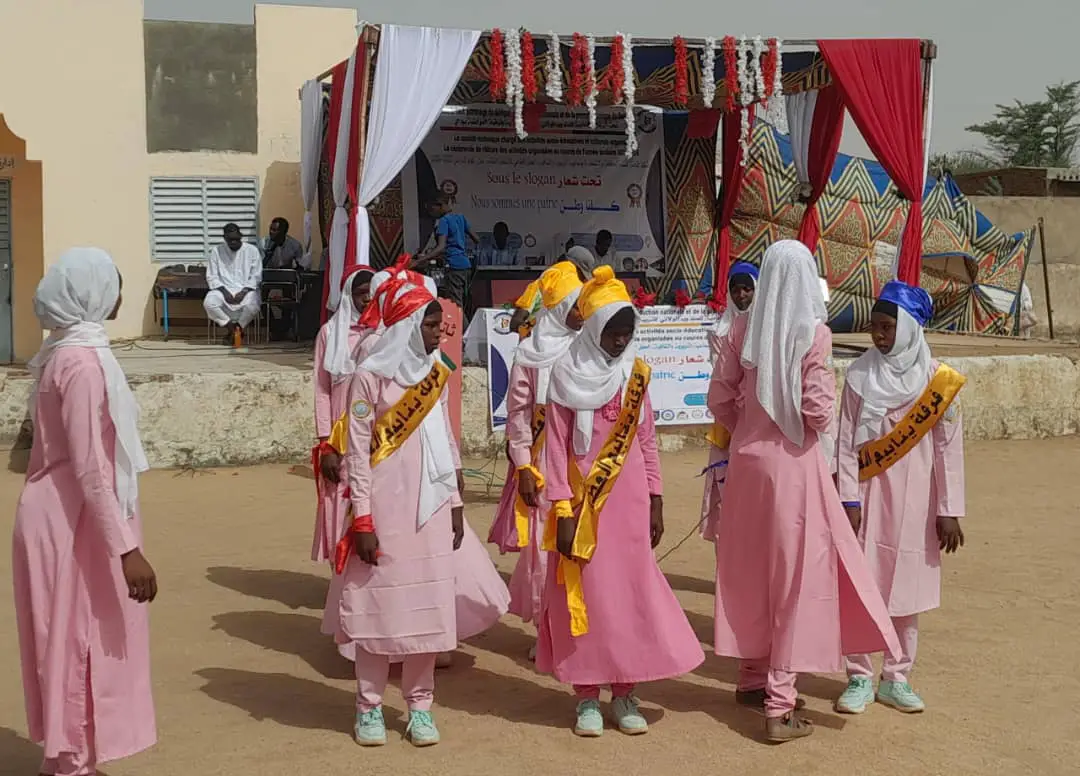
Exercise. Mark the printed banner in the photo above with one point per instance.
(673, 342)
(562, 183)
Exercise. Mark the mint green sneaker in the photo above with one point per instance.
(590, 722)
(900, 696)
(370, 729)
(421, 729)
(627, 716)
(859, 693)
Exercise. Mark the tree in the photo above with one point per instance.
(1044, 133)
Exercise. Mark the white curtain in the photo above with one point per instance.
(339, 226)
(311, 119)
(800, 116)
(416, 70)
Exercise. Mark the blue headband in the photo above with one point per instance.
(743, 268)
(912, 298)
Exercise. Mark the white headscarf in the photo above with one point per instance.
(787, 308)
(587, 378)
(547, 342)
(399, 355)
(338, 359)
(727, 319)
(73, 299)
(888, 382)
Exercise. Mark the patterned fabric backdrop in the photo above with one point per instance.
(971, 268)
(690, 201)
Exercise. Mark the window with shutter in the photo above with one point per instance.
(188, 214)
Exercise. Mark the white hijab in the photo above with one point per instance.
(888, 382)
(587, 378)
(338, 359)
(76, 295)
(399, 355)
(547, 343)
(727, 320)
(788, 306)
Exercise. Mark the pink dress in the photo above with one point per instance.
(84, 644)
(637, 629)
(791, 581)
(330, 403)
(900, 506)
(530, 573)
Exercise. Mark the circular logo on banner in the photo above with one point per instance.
(361, 409)
(667, 415)
(501, 324)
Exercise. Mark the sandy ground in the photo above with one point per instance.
(245, 684)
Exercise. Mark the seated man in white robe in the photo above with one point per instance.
(233, 275)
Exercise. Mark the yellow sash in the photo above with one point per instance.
(591, 493)
(718, 436)
(521, 509)
(395, 425)
(877, 456)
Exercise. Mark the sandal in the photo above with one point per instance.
(779, 730)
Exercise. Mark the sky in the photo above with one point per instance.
(989, 51)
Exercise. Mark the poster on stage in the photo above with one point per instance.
(673, 342)
(560, 185)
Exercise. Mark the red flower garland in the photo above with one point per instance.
(579, 52)
(715, 305)
(768, 68)
(731, 72)
(615, 77)
(682, 74)
(643, 299)
(497, 74)
(528, 67)
(682, 299)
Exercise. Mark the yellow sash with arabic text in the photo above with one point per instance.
(521, 509)
(877, 456)
(397, 424)
(591, 493)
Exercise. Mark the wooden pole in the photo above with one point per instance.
(1046, 278)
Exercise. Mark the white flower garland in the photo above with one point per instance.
(757, 52)
(778, 76)
(553, 69)
(777, 109)
(590, 80)
(746, 97)
(708, 73)
(628, 94)
(514, 87)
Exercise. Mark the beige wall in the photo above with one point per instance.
(82, 113)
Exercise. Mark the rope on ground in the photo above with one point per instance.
(696, 529)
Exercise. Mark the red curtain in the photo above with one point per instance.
(825, 133)
(881, 84)
(337, 99)
(733, 175)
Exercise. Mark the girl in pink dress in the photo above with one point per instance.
(907, 514)
(742, 280)
(610, 617)
(793, 592)
(336, 349)
(396, 559)
(556, 327)
(81, 581)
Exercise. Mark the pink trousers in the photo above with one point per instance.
(84, 761)
(591, 692)
(907, 629)
(779, 686)
(373, 673)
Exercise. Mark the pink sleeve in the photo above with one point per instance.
(819, 384)
(847, 457)
(363, 396)
(724, 386)
(84, 411)
(949, 465)
(519, 411)
(646, 435)
(455, 452)
(559, 423)
(324, 419)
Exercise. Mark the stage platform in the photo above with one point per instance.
(204, 405)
